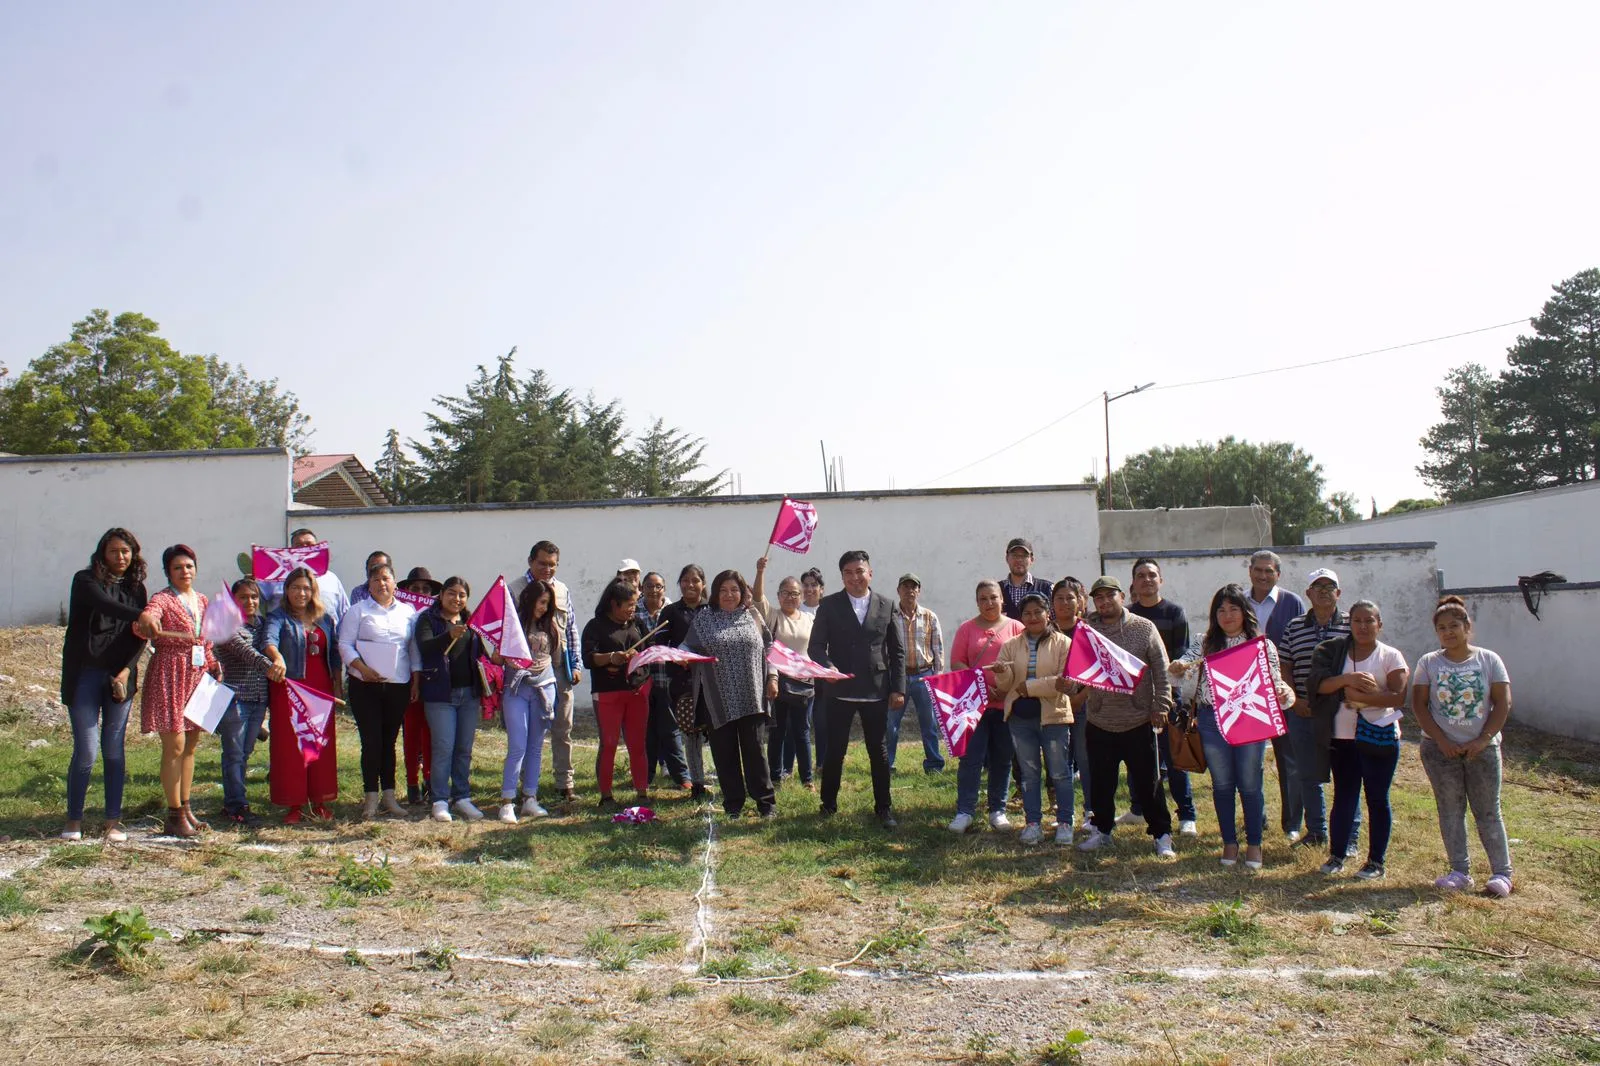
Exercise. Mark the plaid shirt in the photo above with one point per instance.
(647, 622)
(1015, 594)
(923, 639)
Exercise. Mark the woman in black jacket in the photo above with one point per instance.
(99, 672)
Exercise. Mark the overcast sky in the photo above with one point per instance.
(918, 231)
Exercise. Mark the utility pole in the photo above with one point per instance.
(1111, 495)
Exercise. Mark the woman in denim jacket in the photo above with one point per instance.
(301, 642)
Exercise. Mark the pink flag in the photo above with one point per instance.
(665, 653)
(222, 618)
(421, 603)
(959, 699)
(496, 621)
(1246, 699)
(1095, 661)
(791, 663)
(796, 524)
(311, 717)
(276, 564)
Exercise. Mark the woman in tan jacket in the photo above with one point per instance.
(1038, 712)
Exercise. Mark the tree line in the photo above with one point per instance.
(116, 385)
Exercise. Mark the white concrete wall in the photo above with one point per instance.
(949, 538)
(1551, 689)
(1400, 578)
(1494, 542)
(1176, 528)
(53, 510)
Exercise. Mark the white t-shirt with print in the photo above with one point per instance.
(1379, 664)
(1458, 693)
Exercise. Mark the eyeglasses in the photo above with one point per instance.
(1322, 586)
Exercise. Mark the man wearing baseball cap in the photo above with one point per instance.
(924, 657)
(1019, 581)
(1310, 736)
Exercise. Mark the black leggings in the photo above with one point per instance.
(379, 708)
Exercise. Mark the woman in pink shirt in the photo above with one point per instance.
(977, 644)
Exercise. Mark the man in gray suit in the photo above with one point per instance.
(854, 632)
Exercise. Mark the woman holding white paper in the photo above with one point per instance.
(375, 643)
(1237, 770)
(1370, 685)
(181, 657)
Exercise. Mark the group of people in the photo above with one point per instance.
(417, 671)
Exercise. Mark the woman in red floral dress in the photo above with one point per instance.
(181, 656)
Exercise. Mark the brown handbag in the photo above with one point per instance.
(1183, 742)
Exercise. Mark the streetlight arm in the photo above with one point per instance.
(1111, 504)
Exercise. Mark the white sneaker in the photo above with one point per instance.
(441, 811)
(960, 823)
(468, 810)
(1293, 835)
(1164, 847)
(1129, 818)
(1063, 834)
(1088, 821)
(1030, 834)
(998, 820)
(1188, 828)
(508, 813)
(531, 808)
(72, 834)
(1096, 839)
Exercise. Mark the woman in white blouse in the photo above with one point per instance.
(375, 643)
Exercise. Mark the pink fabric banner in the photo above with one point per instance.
(222, 618)
(959, 699)
(311, 716)
(1095, 661)
(1246, 699)
(791, 663)
(496, 621)
(796, 525)
(421, 603)
(276, 564)
(665, 653)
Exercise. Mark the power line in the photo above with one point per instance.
(1342, 358)
(1230, 377)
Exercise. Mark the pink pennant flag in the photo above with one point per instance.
(276, 564)
(665, 653)
(496, 621)
(1095, 661)
(959, 699)
(1246, 699)
(793, 664)
(796, 525)
(417, 600)
(222, 618)
(311, 717)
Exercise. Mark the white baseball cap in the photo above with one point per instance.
(628, 564)
(1322, 575)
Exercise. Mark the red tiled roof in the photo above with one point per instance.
(307, 467)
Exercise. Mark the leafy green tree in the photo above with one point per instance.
(662, 462)
(1235, 473)
(1547, 400)
(117, 386)
(510, 439)
(397, 473)
(1408, 505)
(1464, 463)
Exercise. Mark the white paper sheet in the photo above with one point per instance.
(208, 704)
(381, 656)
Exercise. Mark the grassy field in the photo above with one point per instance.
(574, 940)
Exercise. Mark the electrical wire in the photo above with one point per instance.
(1230, 377)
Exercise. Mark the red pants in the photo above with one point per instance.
(418, 745)
(622, 714)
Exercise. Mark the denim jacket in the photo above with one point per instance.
(289, 637)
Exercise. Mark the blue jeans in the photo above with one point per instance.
(1028, 736)
(1235, 769)
(917, 696)
(98, 726)
(240, 725)
(454, 726)
(1303, 739)
(989, 747)
(528, 713)
(1360, 767)
(790, 739)
(663, 743)
(1080, 757)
